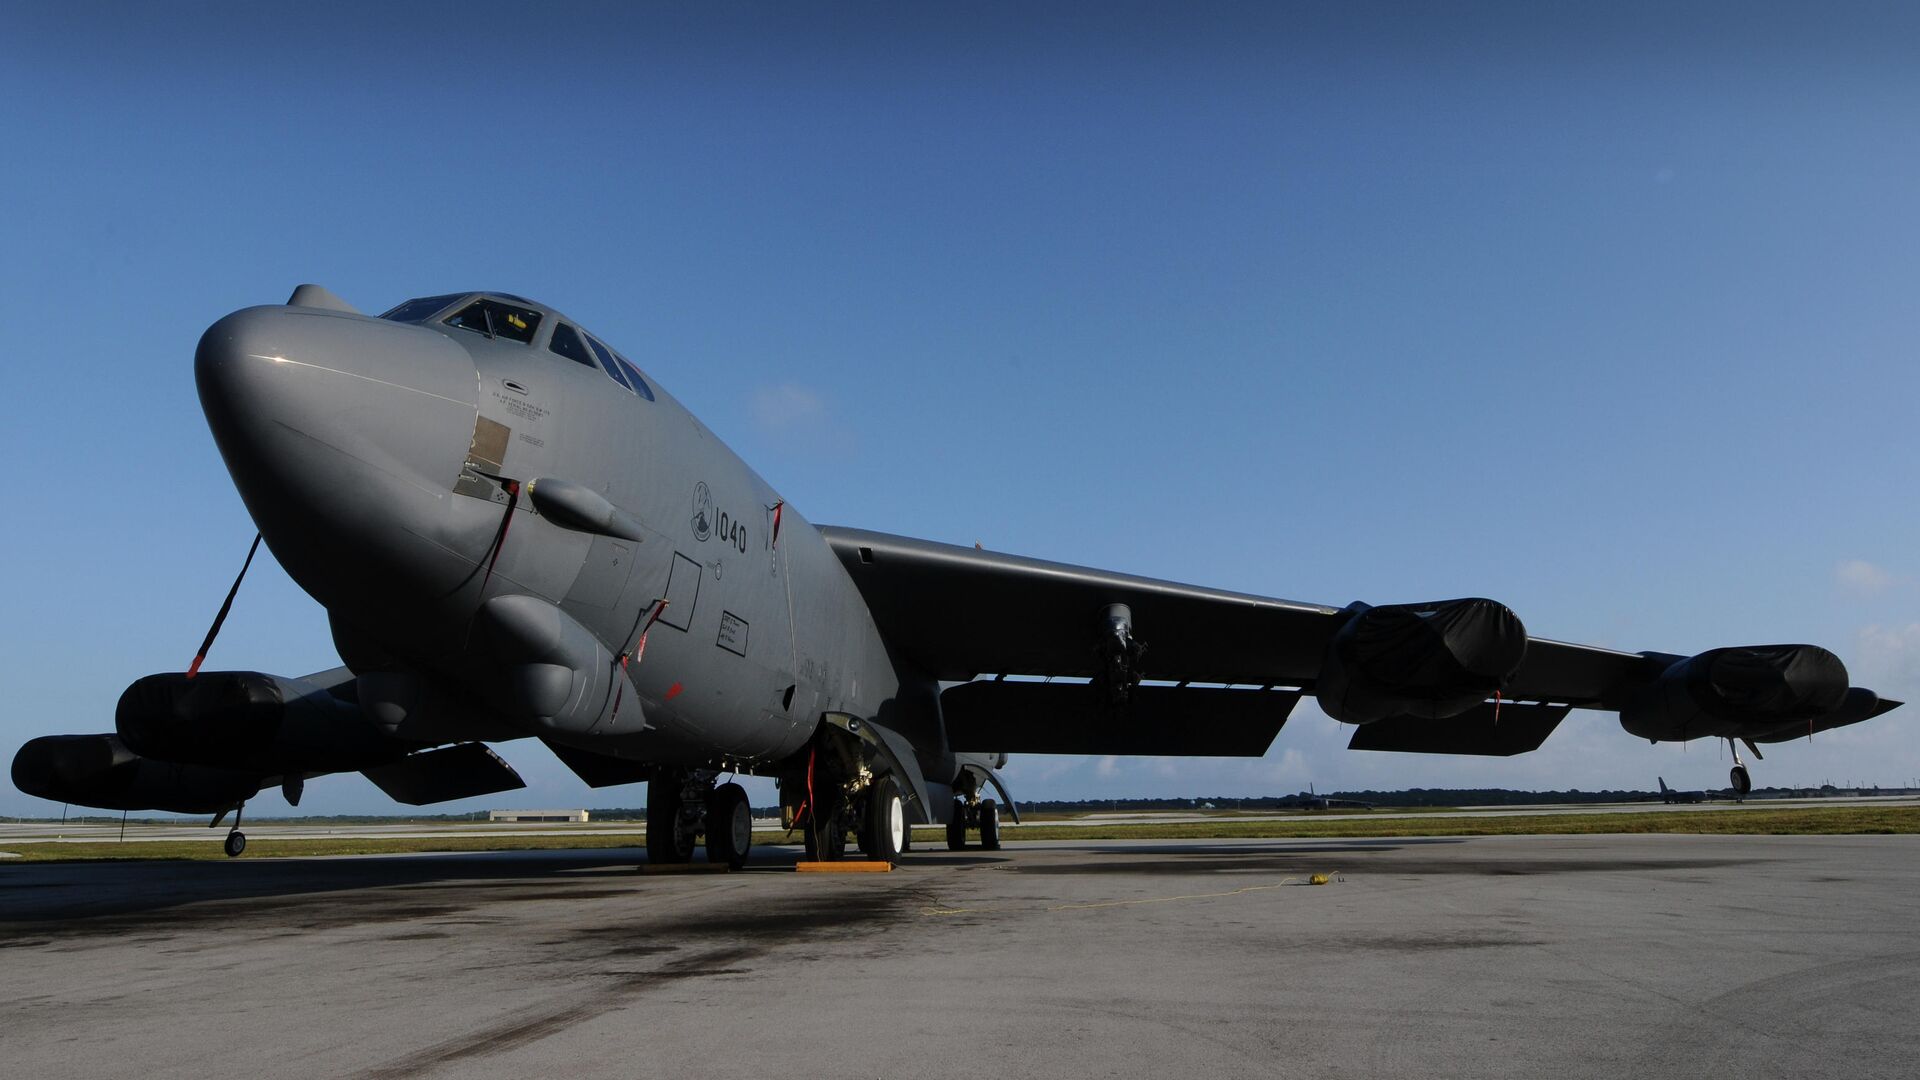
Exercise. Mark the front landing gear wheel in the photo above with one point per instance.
(669, 835)
(236, 843)
(885, 828)
(957, 826)
(827, 839)
(729, 826)
(989, 825)
(1742, 783)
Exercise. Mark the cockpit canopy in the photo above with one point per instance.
(503, 316)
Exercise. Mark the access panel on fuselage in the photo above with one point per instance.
(683, 592)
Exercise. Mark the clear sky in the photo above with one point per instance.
(1606, 311)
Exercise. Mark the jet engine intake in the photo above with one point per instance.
(250, 722)
(99, 771)
(1428, 661)
(1742, 692)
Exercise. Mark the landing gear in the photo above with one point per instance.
(729, 826)
(883, 833)
(236, 840)
(673, 820)
(984, 816)
(1737, 778)
(827, 838)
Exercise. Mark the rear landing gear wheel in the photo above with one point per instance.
(989, 825)
(236, 843)
(669, 835)
(1742, 783)
(957, 826)
(729, 826)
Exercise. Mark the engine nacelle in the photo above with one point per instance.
(250, 722)
(1744, 692)
(1424, 660)
(99, 771)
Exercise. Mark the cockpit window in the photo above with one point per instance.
(496, 319)
(622, 372)
(566, 342)
(633, 376)
(422, 309)
(607, 362)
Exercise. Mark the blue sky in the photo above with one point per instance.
(1606, 312)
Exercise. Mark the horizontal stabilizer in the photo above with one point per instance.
(1520, 728)
(1079, 718)
(599, 770)
(453, 772)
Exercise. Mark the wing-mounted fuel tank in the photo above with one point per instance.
(1760, 692)
(1428, 661)
(252, 722)
(100, 771)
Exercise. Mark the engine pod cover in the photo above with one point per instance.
(1428, 660)
(1740, 692)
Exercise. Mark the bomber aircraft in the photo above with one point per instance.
(516, 532)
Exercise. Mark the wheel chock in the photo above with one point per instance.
(844, 866)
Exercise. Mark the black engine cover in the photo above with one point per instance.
(249, 721)
(1419, 660)
(1742, 692)
(99, 771)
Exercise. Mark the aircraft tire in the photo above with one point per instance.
(236, 843)
(1742, 783)
(957, 827)
(885, 822)
(989, 825)
(668, 839)
(827, 842)
(729, 826)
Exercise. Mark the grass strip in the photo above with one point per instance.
(1796, 821)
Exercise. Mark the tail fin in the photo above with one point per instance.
(1663, 784)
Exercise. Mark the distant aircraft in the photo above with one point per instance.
(1669, 795)
(1307, 800)
(515, 532)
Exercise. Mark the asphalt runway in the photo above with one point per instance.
(1496, 956)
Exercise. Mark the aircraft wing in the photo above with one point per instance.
(957, 613)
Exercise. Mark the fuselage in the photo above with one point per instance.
(393, 466)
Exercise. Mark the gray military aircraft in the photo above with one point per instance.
(515, 532)
(1674, 795)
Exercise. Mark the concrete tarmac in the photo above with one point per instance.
(1496, 956)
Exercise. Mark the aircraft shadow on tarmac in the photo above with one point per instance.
(37, 893)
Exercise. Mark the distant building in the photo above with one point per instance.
(537, 815)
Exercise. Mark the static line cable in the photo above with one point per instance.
(500, 538)
(638, 652)
(226, 606)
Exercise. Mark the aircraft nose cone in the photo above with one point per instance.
(336, 427)
(273, 379)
